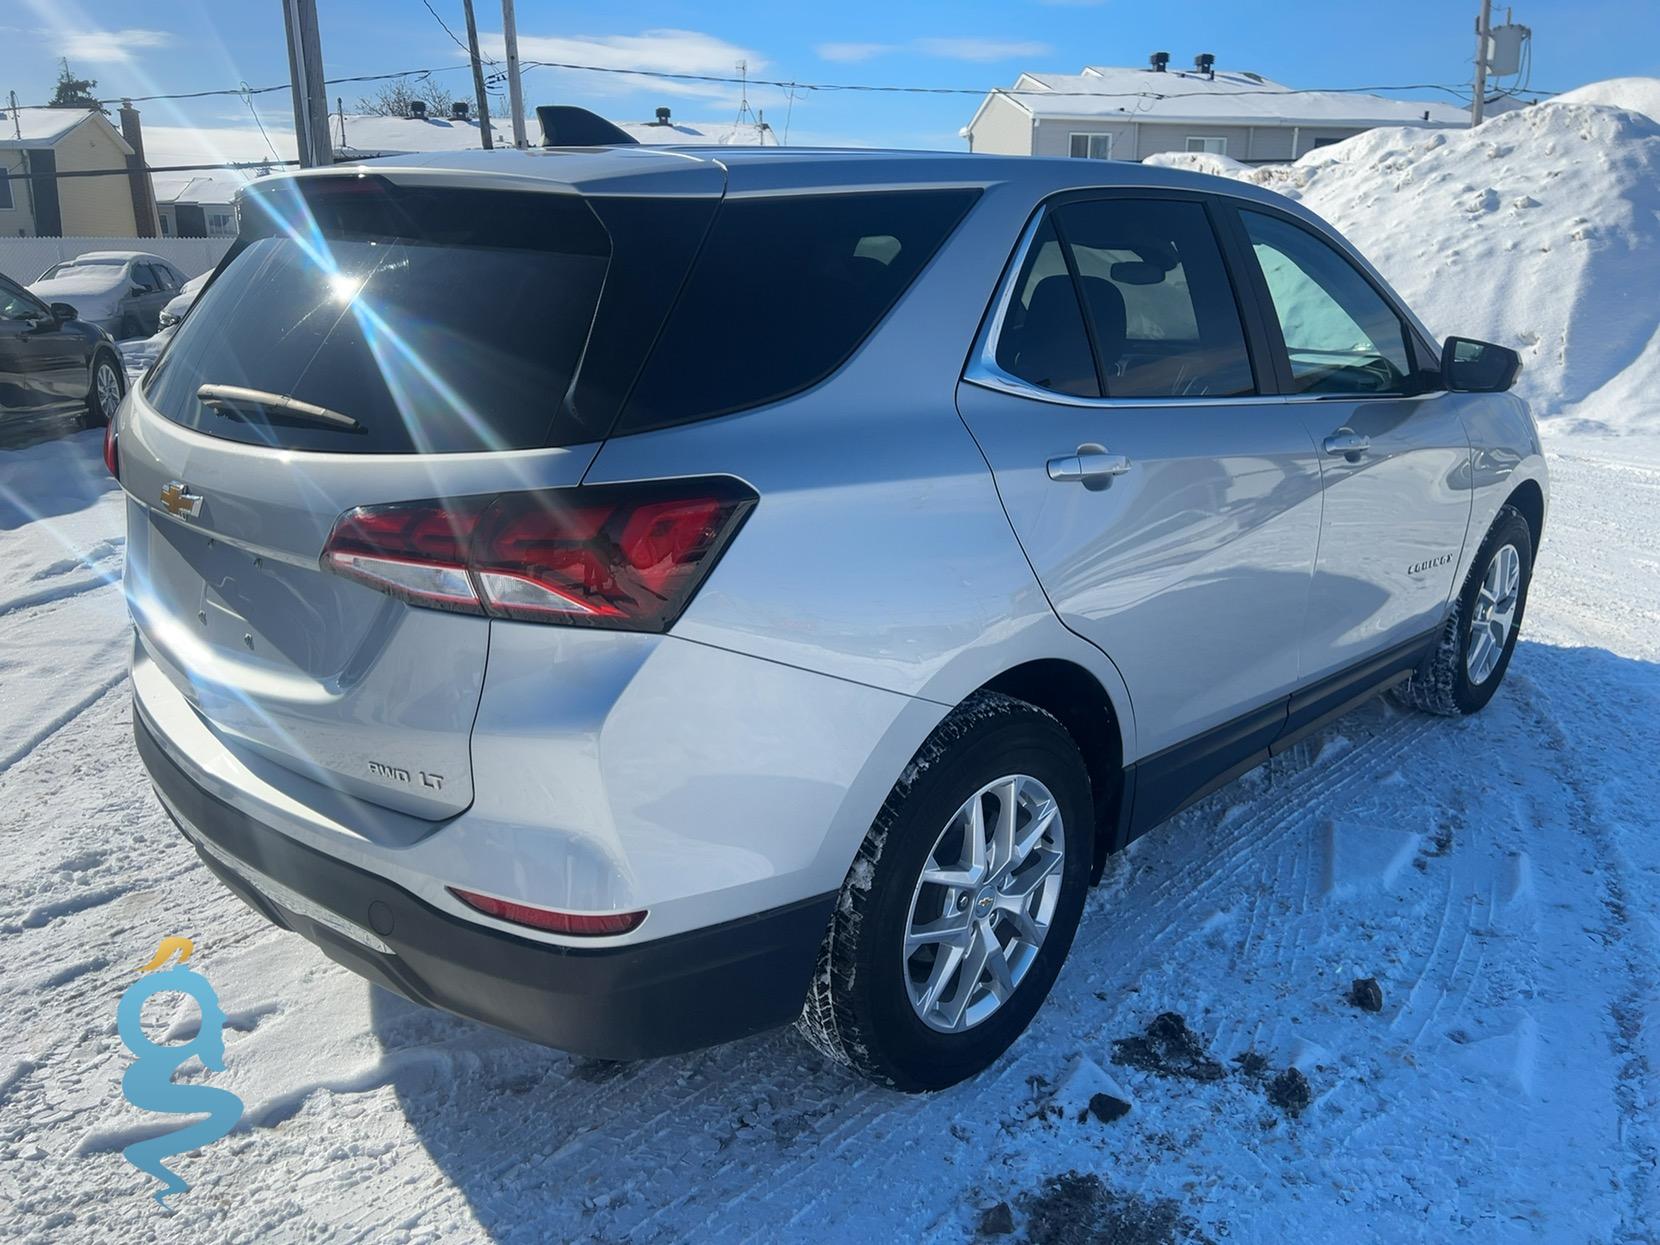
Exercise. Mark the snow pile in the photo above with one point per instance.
(1539, 230)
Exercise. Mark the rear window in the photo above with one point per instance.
(782, 293)
(415, 320)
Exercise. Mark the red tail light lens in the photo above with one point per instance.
(112, 455)
(583, 924)
(613, 555)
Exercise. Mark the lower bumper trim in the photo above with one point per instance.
(633, 1002)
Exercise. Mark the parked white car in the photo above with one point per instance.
(122, 292)
(180, 303)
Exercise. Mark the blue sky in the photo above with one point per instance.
(188, 45)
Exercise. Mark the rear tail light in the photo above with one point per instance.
(583, 924)
(112, 455)
(627, 556)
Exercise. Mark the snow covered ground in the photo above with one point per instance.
(1498, 876)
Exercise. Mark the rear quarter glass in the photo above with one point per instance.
(784, 290)
(438, 320)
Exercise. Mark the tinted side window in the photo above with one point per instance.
(782, 293)
(143, 278)
(1340, 335)
(1043, 339)
(1161, 307)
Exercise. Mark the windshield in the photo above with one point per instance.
(69, 266)
(431, 321)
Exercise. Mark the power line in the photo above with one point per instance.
(1460, 91)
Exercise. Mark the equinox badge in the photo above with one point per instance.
(179, 501)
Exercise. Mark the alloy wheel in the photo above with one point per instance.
(984, 903)
(1494, 614)
(108, 386)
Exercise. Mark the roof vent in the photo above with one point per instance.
(418, 109)
(662, 116)
(1158, 60)
(1205, 63)
(458, 110)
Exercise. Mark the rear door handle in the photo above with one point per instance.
(1347, 442)
(1090, 465)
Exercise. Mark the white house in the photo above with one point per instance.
(1129, 114)
(199, 205)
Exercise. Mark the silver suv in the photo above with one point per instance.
(638, 599)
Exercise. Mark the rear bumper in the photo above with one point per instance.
(637, 1001)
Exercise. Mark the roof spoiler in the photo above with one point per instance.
(565, 125)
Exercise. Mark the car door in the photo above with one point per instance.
(1395, 458)
(150, 295)
(41, 366)
(1170, 507)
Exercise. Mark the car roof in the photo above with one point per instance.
(121, 256)
(702, 170)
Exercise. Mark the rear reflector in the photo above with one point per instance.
(581, 924)
(627, 556)
(112, 453)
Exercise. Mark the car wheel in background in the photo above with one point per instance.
(962, 903)
(1463, 671)
(109, 384)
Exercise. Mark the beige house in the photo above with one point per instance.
(1112, 113)
(37, 144)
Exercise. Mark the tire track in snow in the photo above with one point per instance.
(58, 721)
(1627, 1013)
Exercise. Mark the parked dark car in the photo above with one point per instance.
(51, 362)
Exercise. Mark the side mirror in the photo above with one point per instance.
(63, 311)
(1469, 366)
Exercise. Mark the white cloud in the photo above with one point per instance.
(970, 48)
(110, 45)
(852, 51)
(659, 51)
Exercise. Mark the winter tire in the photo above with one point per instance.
(108, 386)
(1465, 668)
(962, 903)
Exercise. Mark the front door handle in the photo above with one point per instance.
(1349, 443)
(1091, 466)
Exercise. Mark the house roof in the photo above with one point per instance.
(1233, 98)
(210, 188)
(45, 127)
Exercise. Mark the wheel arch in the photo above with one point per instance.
(1077, 699)
(1529, 498)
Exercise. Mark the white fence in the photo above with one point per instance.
(24, 259)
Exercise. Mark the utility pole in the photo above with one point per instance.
(478, 77)
(515, 92)
(1484, 34)
(305, 71)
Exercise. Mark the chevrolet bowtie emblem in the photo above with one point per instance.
(179, 501)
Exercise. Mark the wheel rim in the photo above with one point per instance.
(109, 390)
(984, 903)
(1495, 614)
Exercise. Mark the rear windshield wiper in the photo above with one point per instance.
(224, 399)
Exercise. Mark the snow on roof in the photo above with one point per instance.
(699, 133)
(210, 187)
(367, 137)
(42, 127)
(1233, 97)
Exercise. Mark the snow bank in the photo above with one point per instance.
(1540, 230)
